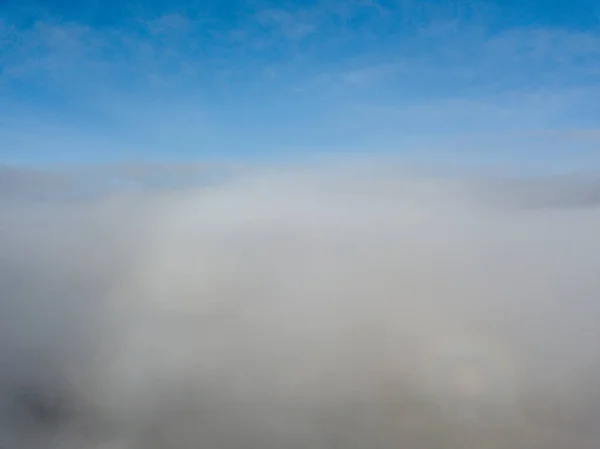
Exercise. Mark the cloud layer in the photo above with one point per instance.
(327, 307)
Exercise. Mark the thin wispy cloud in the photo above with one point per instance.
(292, 26)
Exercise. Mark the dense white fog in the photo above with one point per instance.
(313, 308)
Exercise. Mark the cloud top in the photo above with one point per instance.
(315, 307)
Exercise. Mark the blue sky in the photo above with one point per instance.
(509, 82)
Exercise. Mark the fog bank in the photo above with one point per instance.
(302, 308)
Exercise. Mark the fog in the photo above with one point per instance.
(313, 307)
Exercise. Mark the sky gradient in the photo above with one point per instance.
(503, 83)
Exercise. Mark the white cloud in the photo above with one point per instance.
(259, 311)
